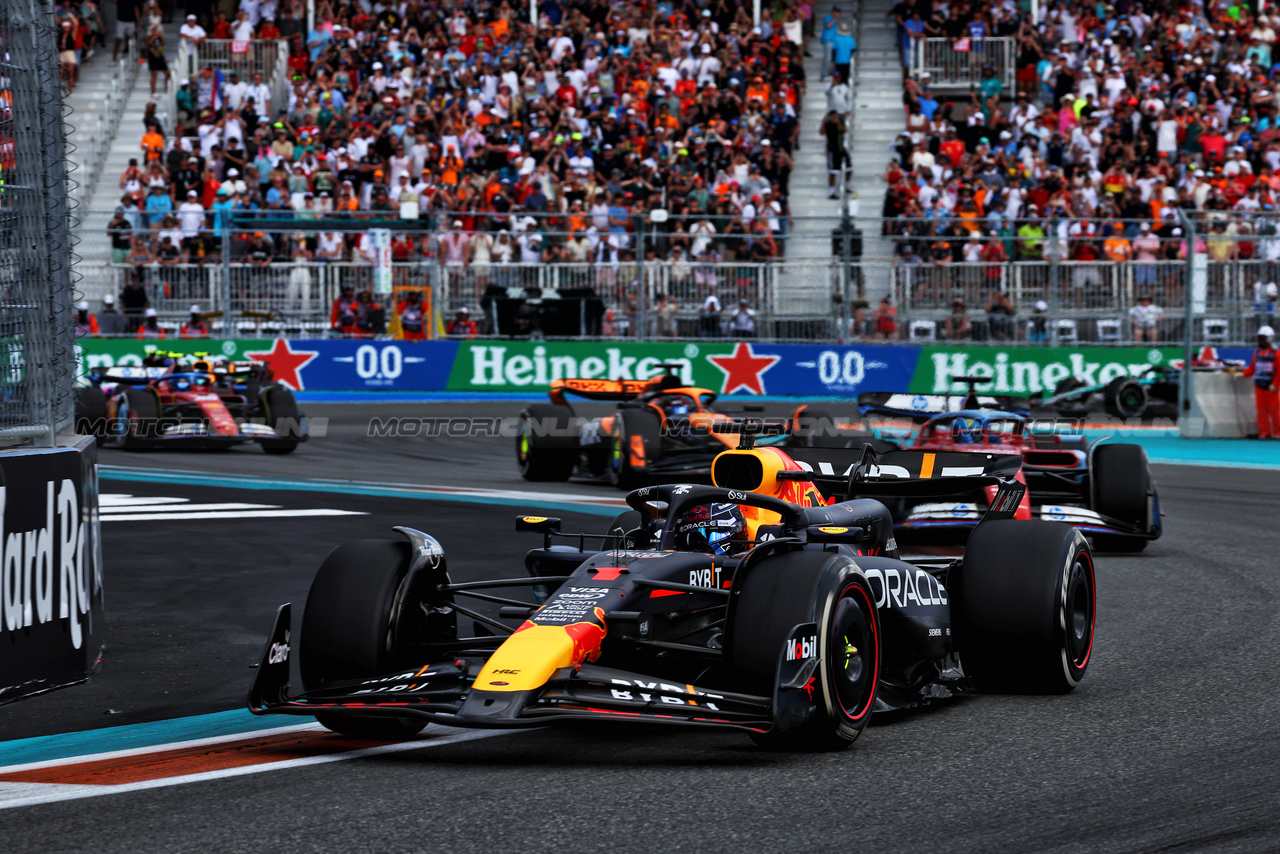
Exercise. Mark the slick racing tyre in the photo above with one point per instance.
(1125, 398)
(632, 427)
(1121, 483)
(545, 447)
(138, 418)
(1074, 407)
(1023, 606)
(284, 417)
(790, 589)
(361, 621)
(91, 413)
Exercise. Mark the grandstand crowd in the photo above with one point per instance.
(480, 123)
(1123, 113)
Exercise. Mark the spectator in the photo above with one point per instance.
(86, 322)
(884, 320)
(1038, 324)
(958, 326)
(111, 322)
(194, 326)
(462, 325)
(709, 315)
(156, 62)
(126, 24)
(666, 312)
(829, 27)
(151, 327)
(345, 314)
(743, 321)
(192, 33)
(1000, 313)
(1145, 319)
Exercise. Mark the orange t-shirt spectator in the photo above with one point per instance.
(462, 325)
(153, 144)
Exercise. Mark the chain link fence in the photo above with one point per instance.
(36, 322)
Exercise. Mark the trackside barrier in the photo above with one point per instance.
(52, 620)
(1222, 407)
(725, 365)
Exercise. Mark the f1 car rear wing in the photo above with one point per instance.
(910, 474)
(130, 375)
(922, 407)
(619, 390)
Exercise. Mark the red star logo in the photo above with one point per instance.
(743, 369)
(286, 364)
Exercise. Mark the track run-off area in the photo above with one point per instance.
(1170, 744)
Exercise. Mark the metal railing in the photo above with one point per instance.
(952, 69)
(93, 143)
(269, 57)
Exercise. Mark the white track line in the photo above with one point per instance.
(231, 514)
(30, 794)
(113, 499)
(113, 510)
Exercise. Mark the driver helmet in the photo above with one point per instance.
(714, 529)
(965, 431)
(676, 404)
(180, 383)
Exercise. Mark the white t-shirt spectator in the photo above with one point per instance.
(329, 246)
(192, 32)
(235, 93)
(191, 217)
(1146, 316)
(210, 135)
(744, 319)
(261, 99)
(242, 31)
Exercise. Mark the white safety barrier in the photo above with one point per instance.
(1222, 407)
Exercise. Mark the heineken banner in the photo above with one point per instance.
(724, 365)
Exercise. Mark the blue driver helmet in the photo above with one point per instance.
(965, 431)
(714, 529)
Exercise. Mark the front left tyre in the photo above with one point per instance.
(794, 588)
(359, 623)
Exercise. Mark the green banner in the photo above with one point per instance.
(1031, 370)
(97, 353)
(529, 365)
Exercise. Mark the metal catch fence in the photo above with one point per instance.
(36, 326)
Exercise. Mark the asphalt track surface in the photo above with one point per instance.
(1171, 743)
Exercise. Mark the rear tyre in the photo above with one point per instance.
(284, 417)
(632, 427)
(1023, 607)
(791, 589)
(91, 413)
(546, 455)
(1121, 485)
(350, 628)
(141, 419)
(1125, 398)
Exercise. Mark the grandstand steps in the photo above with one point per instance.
(878, 118)
(104, 196)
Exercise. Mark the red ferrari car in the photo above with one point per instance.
(176, 399)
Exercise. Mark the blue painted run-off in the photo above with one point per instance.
(49, 748)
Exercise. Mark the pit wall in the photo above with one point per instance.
(723, 365)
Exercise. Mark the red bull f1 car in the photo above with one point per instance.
(753, 605)
(662, 429)
(190, 401)
(1103, 488)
